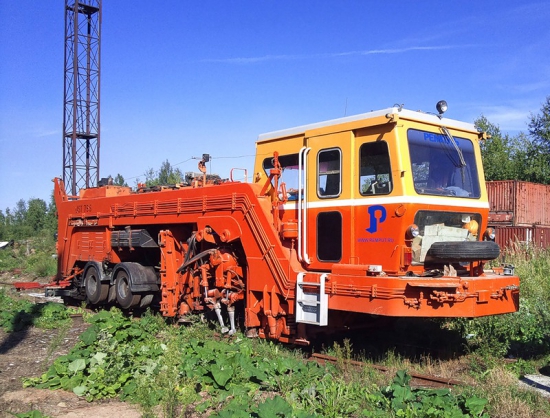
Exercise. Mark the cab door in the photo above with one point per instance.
(326, 215)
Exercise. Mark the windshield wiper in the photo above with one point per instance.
(455, 145)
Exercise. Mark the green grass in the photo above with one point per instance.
(179, 369)
(526, 333)
(33, 256)
(533, 267)
(173, 370)
(17, 313)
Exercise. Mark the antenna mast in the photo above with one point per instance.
(81, 95)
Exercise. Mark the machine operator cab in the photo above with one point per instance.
(382, 188)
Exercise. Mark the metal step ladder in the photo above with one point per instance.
(311, 306)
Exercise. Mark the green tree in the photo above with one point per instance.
(20, 212)
(151, 178)
(532, 161)
(3, 231)
(28, 219)
(537, 154)
(523, 157)
(8, 223)
(539, 126)
(119, 181)
(35, 217)
(166, 175)
(497, 152)
(169, 174)
(18, 228)
(51, 216)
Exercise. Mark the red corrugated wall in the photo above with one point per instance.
(518, 203)
(542, 236)
(508, 235)
(537, 236)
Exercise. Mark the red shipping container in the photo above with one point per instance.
(532, 236)
(541, 236)
(518, 203)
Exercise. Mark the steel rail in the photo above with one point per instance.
(441, 381)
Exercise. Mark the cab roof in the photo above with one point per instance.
(419, 116)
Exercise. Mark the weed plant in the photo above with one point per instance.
(17, 314)
(523, 334)
(33, 256)
(176, 371)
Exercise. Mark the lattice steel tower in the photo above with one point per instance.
(81, 94)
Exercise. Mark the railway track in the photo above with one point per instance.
(417, 379)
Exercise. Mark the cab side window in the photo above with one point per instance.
(290, 174)
(374, 169)
(329, 177)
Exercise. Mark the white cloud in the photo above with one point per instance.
(252, 60)
(508, 118)
(541, 85)
(44, 133)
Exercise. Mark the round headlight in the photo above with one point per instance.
(489, 234)
(412, 231)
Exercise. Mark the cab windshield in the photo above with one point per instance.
(443, 165)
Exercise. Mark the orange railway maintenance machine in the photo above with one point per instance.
(383, 213)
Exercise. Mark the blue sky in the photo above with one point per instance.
(183, 78)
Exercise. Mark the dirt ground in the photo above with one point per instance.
(29, 353)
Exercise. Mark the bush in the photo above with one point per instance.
(33, 256)
(41, 265)
(17, 314)
(525, 333)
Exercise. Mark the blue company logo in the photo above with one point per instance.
(428, 136)
(377, 214)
